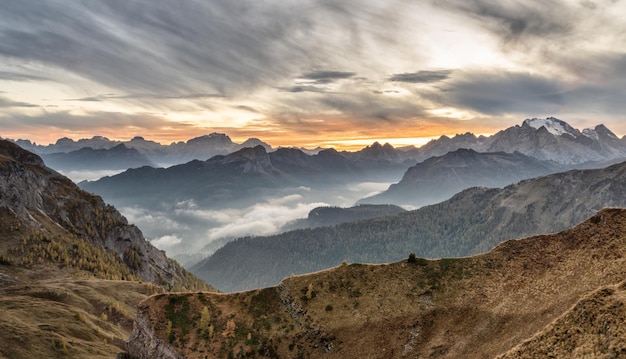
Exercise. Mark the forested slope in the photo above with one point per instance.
(471, 222)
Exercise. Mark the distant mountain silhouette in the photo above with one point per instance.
(439, 178)
(119, 157)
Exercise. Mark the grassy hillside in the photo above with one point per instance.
(46, 313)
(474, 307)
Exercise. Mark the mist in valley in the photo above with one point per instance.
(190, 231)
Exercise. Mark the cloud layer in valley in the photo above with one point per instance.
(187, 227)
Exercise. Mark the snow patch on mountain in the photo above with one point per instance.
(591, 133)
(553, 125)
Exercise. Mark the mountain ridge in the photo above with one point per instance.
(439, 178)
(447, 308)
(583, 146)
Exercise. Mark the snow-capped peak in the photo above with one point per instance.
(591, 133)
(599, 131)
(553, 125)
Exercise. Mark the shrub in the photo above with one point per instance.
(6, 260)
(329, 308)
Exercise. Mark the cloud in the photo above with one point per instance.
(94, 122)
(517, 20)
(7, 103)
(261, 219)
(15, 76)
(344, 65)
(188, 227)
(99, 98)
(166, 242)
(301, 88)
(230, 48)
(497, 93)
(79, 176)
(421, 76)
(324, 77)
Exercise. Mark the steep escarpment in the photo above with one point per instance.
(473, 307)
(46, 217)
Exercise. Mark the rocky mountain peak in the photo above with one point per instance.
(553, 125)
(14, 153)
(218, 139)
(256, 159)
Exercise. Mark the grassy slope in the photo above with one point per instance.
(475, 307)
(48, 314)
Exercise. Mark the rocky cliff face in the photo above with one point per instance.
(43, 200)
(144, 342)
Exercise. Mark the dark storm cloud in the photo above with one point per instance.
(421, 76)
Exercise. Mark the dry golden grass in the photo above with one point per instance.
(43, 317)
(476, 307)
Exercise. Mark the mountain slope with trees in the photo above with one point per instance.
(471, 222)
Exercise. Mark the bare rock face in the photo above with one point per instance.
(144, 343)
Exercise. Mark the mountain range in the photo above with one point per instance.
(201, 148)
(439, 178)
(545, 139)
(119, 157)
(550, 296)
(240, 177)
(250, 178)
(471, 222)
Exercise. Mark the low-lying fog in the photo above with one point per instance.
(189, 232)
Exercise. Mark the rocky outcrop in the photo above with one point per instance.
(144, 343)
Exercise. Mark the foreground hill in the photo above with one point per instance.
(474, 307)
(439, 178)
(473, 221)
(72, 270)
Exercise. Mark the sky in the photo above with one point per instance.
(340, 73)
